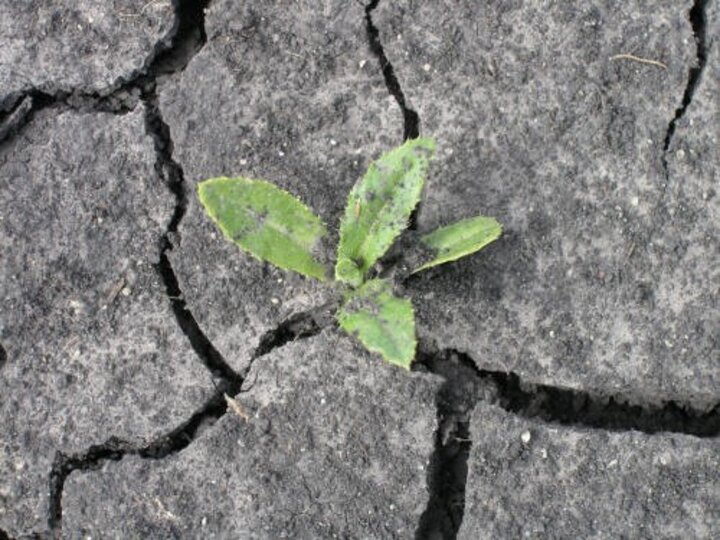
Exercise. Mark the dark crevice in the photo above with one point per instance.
(465, 384)
(575, 408)
(15, 118)
(170, 55)
(116, 449)
(411, 120)
(410, 117)
(172, 173)
(4, 535)
(698, 20)
(447, 472)
(3, 356)
(299, 326)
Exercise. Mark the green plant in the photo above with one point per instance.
(275, 226)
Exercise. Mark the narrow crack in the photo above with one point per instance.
(411, 120)
(410, 117)
(116, 449)
(698, 20)
(299, 326)
(3, 356)
(465, 385)
(170, 55)
(168, 169)
(15, 118)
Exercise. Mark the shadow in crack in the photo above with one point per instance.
(698, 20)
(411, 120)
(115, 449)
(410, 117)
(298, 326)
(169, 56)
(465, 384)
(447, 473)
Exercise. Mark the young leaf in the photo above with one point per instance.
(382, 322)
(268, 222)
(379, 206)
(460, 239)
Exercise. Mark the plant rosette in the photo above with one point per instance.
(274, 226)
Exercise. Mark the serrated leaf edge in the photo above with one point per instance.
(229, 237)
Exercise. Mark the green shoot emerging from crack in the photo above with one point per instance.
(276, 227)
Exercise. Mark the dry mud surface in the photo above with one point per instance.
(567, 383)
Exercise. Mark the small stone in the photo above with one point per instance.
(635, 201)
(525, 437)
(274, 301)
(426, 67)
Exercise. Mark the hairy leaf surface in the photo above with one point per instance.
(460, 239)
(382, 322)
(379, 206)
(268, 222)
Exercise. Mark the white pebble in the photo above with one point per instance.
(426, 67)
(525, 437)
(275, 301)
(635, 201)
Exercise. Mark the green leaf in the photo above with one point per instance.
(268, 222)
(460, 239)
(379, 207)
(382, 322)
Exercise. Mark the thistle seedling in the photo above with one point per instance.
(274, 226)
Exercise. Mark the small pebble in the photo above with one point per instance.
(635, 201)
(426, 67)
(525, 437)
(275, 301)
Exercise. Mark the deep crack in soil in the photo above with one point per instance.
(171, 54)
(447, 472)
(698, 20)
(465, 384)
(172, 173)
(3, 356)
(411, 119)
(299, 326)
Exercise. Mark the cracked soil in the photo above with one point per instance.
(158, 383)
